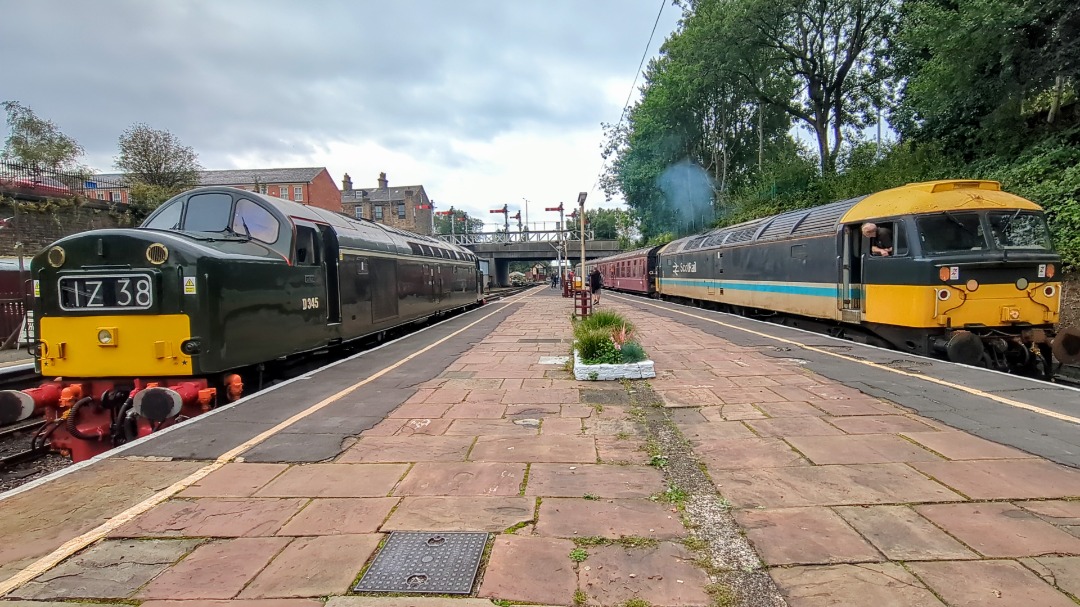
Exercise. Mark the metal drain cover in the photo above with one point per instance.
(441, 562)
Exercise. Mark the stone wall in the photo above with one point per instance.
(38, 229)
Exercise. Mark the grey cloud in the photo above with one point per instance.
(236, 76)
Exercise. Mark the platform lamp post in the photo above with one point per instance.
(581, 230)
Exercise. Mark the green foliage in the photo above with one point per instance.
(463, 224)
(37, 142)
(603, 319)
(596, 347)
(632, 352)
(144, 198)
(578, 555)
(157, 158)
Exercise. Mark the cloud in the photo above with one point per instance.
(459, 96)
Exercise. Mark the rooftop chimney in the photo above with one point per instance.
(382, 181)
(346, 183)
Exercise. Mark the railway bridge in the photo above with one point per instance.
(498, 249)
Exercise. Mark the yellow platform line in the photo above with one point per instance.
(74, 545)
(941, 382)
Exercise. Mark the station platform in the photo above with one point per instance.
(762, 466)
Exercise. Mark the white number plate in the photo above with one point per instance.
(106, 292)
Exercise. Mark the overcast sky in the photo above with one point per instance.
(482, 102)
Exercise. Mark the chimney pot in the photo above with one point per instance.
(382, 181)
(346, 183)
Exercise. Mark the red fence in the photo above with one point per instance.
(13, 298)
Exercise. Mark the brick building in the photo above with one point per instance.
(311, 185)
(405, 206)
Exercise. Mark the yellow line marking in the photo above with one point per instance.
(74, 545)
(941, 382)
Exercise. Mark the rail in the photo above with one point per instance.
(568, 236)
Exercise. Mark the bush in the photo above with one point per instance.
(603, 319)
(632, 352)
(596, 347)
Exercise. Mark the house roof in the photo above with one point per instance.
(388, 194)
(243, 176)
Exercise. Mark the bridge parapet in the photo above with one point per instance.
(569, 236)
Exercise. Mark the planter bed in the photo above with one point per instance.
(604, 372)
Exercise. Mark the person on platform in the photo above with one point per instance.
(881, 242)
(596, 282)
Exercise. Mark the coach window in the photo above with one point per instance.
(255, 221)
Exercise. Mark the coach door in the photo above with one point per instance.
(849, 286)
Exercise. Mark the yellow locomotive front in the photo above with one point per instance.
(969, 272)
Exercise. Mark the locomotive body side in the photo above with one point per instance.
(971, 276)
(145, 326)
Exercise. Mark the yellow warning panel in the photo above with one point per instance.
(189, 285)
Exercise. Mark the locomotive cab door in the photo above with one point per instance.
(849, 284)
(331, 256)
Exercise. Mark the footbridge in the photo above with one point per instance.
(500, 248)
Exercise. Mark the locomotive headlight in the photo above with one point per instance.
(106, 336)
(1049, 290)
(1049, 270)
(972, 285)
(56, 256)
(943, 294)
(157, 253)
(1021, 283)
(943, 274)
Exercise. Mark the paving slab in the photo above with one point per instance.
(663, 575)
(336, 516)
(794, 426)
(986, 583)
(314, 566)
(621, 450)
(611, 519)
(601, 480)
(415, 448)
(860, 449)
(1060, 571)
(236, 603)
(734, 412)
(1058, 512)
(829, 485)
(876, 584)
(460, 513)
(999, 529)
(879, 424)
(550, 448)
(487, 427)
(790, 409)
(201, 575)
(748, 453)
(961, 445)
(1005, 479)
(234, 480)
(902, 535)
(335, 480)
(39, 520)
(711, 431)
(465, 478)
(212, 517)
(804, 536)
(113, 569)
(530, 569)
(562, 425)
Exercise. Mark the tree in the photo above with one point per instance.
(157, 158)
(831, 48)
(36, 142)
(463, 224)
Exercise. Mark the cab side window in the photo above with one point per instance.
(307, 252)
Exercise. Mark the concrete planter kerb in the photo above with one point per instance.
(606, 372)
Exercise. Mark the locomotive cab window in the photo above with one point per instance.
(208, 212)
(891, 236)
(951, 232)
(307, 250)
(167, 218)
(253, 220)
(1020, 230)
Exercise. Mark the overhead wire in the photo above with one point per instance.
(626, 104)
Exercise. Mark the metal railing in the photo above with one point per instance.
(35, 183)
(568, 236)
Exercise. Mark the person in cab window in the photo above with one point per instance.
(881, 241)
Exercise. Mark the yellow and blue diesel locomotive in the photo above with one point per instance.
(144, 326)
(971, 274)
